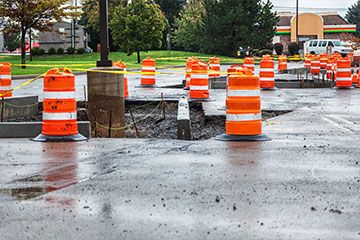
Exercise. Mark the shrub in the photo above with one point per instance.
(269, 46)
(265, 52)
(70, 50)
(255, 52)
(35, 51)
(41, 52)
(81, 51)
(51, 51)
(279, 48)
(293, 48)
(60, 51)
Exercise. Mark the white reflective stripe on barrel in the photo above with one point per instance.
(148, 68)
(243, 93)
(248, 65)
(267, 70)
(199, 76)
(193, 87)
(343, 79)
(59, 116)
(5, 76)
(267, 79)
(243, 117)
(59, 95)
(344, 69)
(214, 65)
(312, 67)
(5, 88)
(148, 76)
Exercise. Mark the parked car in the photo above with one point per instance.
(318, 46)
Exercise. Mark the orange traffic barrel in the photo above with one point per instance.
(331, 68)
(307, 62)
(343, 73)
(5, 80)
(267, 74)
(189, 62)
(214, 67)
(323, 60)
(243, 110)
(249, 63)
(59, 108)
(199, 82)
(148, 72)
(282, 64)
(355, 76)
(315, 65)
(122, 65)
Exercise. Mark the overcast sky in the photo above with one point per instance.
(314, 5)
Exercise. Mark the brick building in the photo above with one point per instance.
(312, 26)
(62, 36)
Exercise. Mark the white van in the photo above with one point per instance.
(318, 46)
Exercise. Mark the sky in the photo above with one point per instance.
(339, 6)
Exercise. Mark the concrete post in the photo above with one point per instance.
(106, 103)
(183, 120)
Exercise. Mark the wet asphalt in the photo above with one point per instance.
(304, 184)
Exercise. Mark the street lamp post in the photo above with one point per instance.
(104, 35)
(297, 21)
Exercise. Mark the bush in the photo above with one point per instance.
(255, 52)
(265, 52)
(70, 50)
(293, 48)
(41, 52)
(279, 48)
(35, 51)
(60, 51)
(51, 51)
(81, 51)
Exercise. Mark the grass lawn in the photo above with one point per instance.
(41, 64)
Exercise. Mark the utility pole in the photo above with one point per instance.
(104, 35)
(297, 21)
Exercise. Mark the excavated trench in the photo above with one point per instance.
(159, 120)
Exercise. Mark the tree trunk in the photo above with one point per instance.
(138, 56)
(23, 49)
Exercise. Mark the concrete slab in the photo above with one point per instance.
(33, 129)
(304, 184)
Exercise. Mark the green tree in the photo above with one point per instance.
(353, 16)
(22, 15)
(190, 26)
(11, 41)
(138, 27)
(225, 25)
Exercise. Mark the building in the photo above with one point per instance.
(62, 35)
(312, 26)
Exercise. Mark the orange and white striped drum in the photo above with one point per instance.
(323, 60)
(355, 76)
(214, 67)
(249, 63)
(122, 65)
(331, 68)
(243, 115)
(148, 70)
(189, 62)
(199, 83)
(59, 108)
(315, 65)
(307, 62)
(282, 64)
(343, 73)
(267, 74)
(5, 80)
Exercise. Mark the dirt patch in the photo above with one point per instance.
(159, 120)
